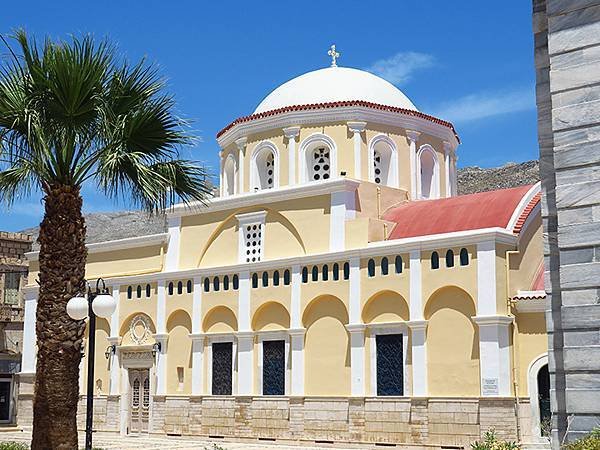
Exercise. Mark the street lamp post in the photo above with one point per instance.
(98, 303)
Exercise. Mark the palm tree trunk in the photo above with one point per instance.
(59, 338)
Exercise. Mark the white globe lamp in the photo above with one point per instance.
(77, 308)
(104, 305)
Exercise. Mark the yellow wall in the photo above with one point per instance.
(452, 344)
(179, 353)
(524, 266)
(532, 341)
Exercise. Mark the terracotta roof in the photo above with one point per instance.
(525, 214)
(461, 213)
(274, 112)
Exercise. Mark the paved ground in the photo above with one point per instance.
(112, 441)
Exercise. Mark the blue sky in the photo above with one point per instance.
(462, 61)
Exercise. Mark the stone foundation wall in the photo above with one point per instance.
(436, 422)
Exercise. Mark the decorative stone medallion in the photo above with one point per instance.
(139, 329)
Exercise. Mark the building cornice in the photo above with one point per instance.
(265, 196)
(350, 111)
(396, 246)
(119, 244)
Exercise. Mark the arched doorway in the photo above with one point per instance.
(539, 395)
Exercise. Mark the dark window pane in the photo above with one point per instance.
(180, 288)
(371, 267)
(129, 292)
(384, 266)
(148, 290)
(265, 279)
(221, 368)
(336, 272)
(171, 288)
(389, 364)
(139, 291)
(276, 278)
(449, 258)
(273, 367)
(346, 271)
(464, 257)
(236, 282)
(206, 285)
(325, 272)
(189, 287)
(254, 280)
(216, 283)
(435, 260)
(226, 283)
(398, 264)
(305, 275)
(315, 273)
(286, 277)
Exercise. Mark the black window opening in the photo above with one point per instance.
(543, 382)
(449, 258)
(222, 354)
(139, 291)
(371, 267)
(236, 282)
(189, 287)
(325, 273)
(390, 376)
(179, 288)
(398, 264)
(148, 290)
(226, 283)
(435, 260)
(216, 283)
(254, 280)
(265, 279)
(286, 277)
(129, 292)
(273, 367)
(384, 266)
(346, 271)
(206, 285)
(336, 272)
(464, 257)
(305, 274)
(315, 273)
(170, 288)
(276, 278)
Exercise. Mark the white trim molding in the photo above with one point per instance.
(245, 243)
(291, 133)
(357, 358)
(225, 187)
(297, 350)
(535, 189)
(418, 330)
(197, 362)
(412, 137)
(308, 144)
(241, 145)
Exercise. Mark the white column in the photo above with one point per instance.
(494, 355)
(337, 221)
(291, 133)
(245, 338)
(296, 312)
(412, 138)
(297, 345)
(447, 159)
(172, 256)
(197, 363)
(357, 359)
(241, 145)
(486, 279)
(221, 177)
(161, 337)
(197, 339)
(114, 340)
(354, 291)
(418, 327)
(124, 403)
(29, 335)
(357, 128)
(161, 308)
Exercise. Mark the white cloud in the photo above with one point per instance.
(486, 104)
(398, 69)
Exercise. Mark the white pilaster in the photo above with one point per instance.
(197, 306)
(486, 278)
(447, 162)
(197, 363)
(418, 327)
(161, 363)
(29, 334)
(357, 128)
(114, 319)
(115, 366)
(494, 355)
(291, 133)
(354, 291)
(244, 301)
(172, 256)
(297, 345)
(245, 353)
(357, 359)
(124, 403)
(412, 138)
(161, 308)
(296, 312)
(241, 145)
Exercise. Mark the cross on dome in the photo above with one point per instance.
(334, 55)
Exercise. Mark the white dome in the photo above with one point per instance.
(335, 84)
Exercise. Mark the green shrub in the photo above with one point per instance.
(590, 442)
(491, 442)
(13, 446)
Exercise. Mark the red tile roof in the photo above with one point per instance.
(525, 214)
(274, 112)
(461, 213)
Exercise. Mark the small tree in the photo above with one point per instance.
(72, 113)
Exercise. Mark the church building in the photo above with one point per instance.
(337, 290)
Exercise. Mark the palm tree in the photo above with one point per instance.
(72, 113)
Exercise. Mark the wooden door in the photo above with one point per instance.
(139, 403)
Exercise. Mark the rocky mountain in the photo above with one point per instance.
(123, 224)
